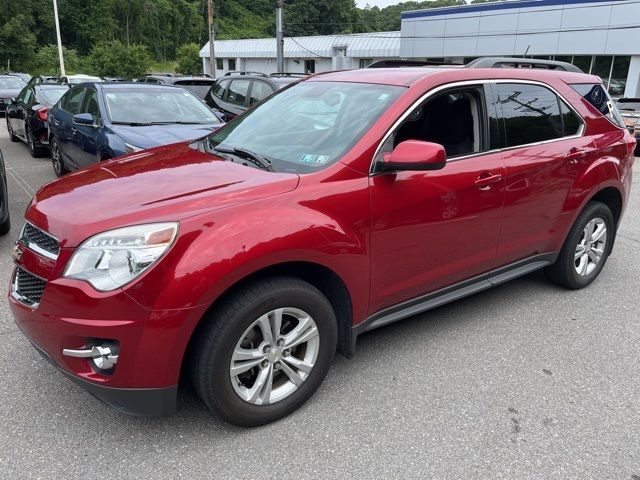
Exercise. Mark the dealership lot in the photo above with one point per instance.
(525, 380)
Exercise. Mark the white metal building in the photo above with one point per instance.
(303, 54)
(599, 36)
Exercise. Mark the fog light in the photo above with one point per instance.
(103, 356)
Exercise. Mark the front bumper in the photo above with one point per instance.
(140, 402)
(71, 315)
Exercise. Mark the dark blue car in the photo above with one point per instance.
(97, 121)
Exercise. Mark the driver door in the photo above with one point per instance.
(433, 229)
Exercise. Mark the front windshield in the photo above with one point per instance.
(11, 83)
(309, 126)
(157, 106)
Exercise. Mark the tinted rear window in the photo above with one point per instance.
(52, 95)
(597, 96)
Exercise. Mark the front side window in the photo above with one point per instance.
(218, 90)
(71, 101)
(453, 119)
(307, 127)
(597, 96)
(90, 104)
(156, 106)
(531, 113)
(238, 92)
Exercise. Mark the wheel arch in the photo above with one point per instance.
(323, 278)
(612, 198)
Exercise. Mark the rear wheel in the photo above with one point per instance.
(586, 248)
(264, 351)
(56, 158)
(12, 135)
(35, 150)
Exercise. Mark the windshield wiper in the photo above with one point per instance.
(133, 124)
(253, 157)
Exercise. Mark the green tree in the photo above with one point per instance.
(47, 61)
(17, 43)
(115, 58)
(188, 58)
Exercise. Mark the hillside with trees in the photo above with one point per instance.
(126, 37)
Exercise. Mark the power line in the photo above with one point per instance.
(306, 49)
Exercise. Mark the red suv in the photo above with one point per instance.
(343, 203)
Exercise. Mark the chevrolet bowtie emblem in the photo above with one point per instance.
(16, 252)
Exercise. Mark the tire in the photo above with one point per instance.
(34, 150)
(570, 270)
(5, 226)
(234, 325)
(12, 136)
(56, 158)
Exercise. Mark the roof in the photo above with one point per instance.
(365, 45)
(410, 75)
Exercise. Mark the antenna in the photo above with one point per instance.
(526, 51)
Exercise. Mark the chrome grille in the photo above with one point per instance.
(39, 241)
(27, 288)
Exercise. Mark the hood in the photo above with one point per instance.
(156, 135)
(10, 93)
(164, 184)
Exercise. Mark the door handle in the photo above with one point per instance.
(575, 154)
(484, 181)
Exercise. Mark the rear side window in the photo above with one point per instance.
(598, 97)
(531, 113)
(238, 92)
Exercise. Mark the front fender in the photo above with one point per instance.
(216, 250)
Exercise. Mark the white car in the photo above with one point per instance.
(80, 78)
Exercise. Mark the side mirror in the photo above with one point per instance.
(84, 119)
(414, 155)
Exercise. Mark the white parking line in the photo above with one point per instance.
(20, 181)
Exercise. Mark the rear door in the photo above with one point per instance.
(236, 99)
(543, 151)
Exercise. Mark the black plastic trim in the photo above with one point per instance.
(139, 402)
(452, 293)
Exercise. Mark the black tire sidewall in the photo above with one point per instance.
(54, 147)
(218, 392)
(593, 210)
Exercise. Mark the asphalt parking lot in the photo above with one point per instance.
(523, 381)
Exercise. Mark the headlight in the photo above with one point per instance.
(131, 148)
(112, 259)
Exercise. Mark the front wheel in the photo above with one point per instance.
(586, 248)
(264, 351)
(56, 159)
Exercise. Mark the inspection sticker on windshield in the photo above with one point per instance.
(317, 159)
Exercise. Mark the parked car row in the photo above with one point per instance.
(93, 122)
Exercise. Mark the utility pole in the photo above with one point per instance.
(280, 35)
(60, 56)
(212, 55)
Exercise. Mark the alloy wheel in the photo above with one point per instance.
(55, 158)
(591, 247)
(274, 356)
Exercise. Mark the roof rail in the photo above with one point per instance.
(397, 63)
(510, 62)
(245, 73)
(288, 74)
